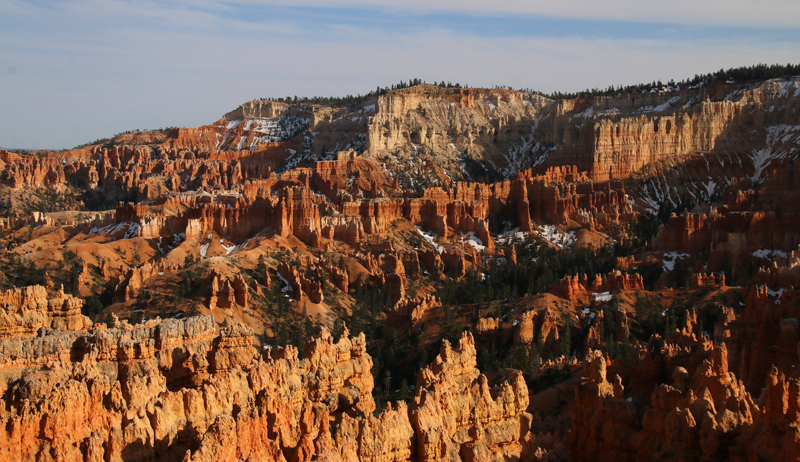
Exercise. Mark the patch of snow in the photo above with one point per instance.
(525, 153)
(657, 192)
(511, 236)
(776, 293)
(760, 159)
(204, 250)
(586, 112)
(603, 297)
(670, 258)
(770, 254)
(244, 245)
(558, 238)
(228, 249)
(178, 238)
(369, 108)
(473, 240)
(98, 230)
(732, 94)
(116, 228)
(287, 287)
(784, 89)
(133, 231)
(710, 187)
(661, 107)
(430, 238)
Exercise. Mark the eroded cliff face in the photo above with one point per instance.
(613, 137)
(689, 142)
(451, 126)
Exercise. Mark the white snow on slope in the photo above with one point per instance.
(429, 237)
(558, 238)
(603, 297)
(133, 231)
(228, 249)
(473, 240)
(710, 187)
(769, 254)
(776, 136)
(660, 107)
(775, 293)
(510, 236)
(670, 258)
(287, 287)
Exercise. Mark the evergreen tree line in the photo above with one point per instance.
(743, 74)
(353, 100)
(735, 75)
(108, 142)
(536, 271)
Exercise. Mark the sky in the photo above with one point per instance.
(73, 71)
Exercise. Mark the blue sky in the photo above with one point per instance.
(72, 71)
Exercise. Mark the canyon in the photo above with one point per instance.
(431, 273)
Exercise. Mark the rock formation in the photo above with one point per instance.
(185, 389)
(457, 414)
(23, 312)
(706, 415)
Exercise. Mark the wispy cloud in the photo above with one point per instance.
(741, 13)
(84, 69)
